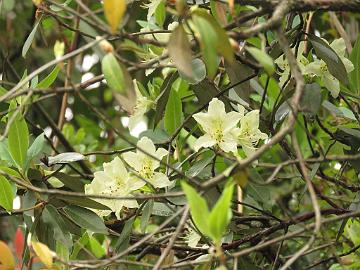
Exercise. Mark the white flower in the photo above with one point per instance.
(218, 126)
(283, 64)
(114, 180)
(320, 69)
(249, 134)
(143, 104)
(59, 48)
(145, 165)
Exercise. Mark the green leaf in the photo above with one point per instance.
(35, 149)
(5, 153)
(52, 217)
(213, 40)
(221, 214)
(311, 99)
(146, 213)
(179, 42)
(199, 166)
(79, 245)
(71, 182)
(160, 13)
(207, 43)
(6, 194)
(198, 71)
(198, 208)
(82, 201)
(30, 39)
(19, 140)
(263, 58)
(173, 112)
(96, 248)
(49, 79)
(354, 75)
(162, 99)
(333, 61)
(113, 73)
(86, 219)
(124, 238)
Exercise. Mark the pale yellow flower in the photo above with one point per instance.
(145, 165)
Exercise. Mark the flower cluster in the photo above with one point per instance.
(318, 67)
(116, 181)
(222, 130)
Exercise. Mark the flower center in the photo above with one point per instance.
(146, 171)
(323, 67)
(218, 134)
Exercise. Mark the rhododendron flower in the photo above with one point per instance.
(320, 69)
(283, 64)
(219, 127)
(142, 105)
(249, 133)
(145, 165)
(114, 180)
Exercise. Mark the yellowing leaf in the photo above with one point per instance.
(6, 258)
(179, 42)
(44, 254)
(114, 11)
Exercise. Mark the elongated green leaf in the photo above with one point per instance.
(6, 194)
(354, 76)
(221, 214)
(5, 153)
(113, 73)
(213, 39)
(146, 213)
(332, 60)
(52, 217)
(173, 112)
(49, 79)
(35, 149)
(30, 39)
(198, 208)
(71, 182)
(208, 44)
(123, 240)
(162, 99)
(19, 141)
(263, 58)
(85, 218)
(84, 202)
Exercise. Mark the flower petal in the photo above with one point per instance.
(147, 146)
(349, 66)
(338, 45)
(204, 141)
(253, 119)
(115, 168)
(135, 183)
(228, 145)
(248, 149)
(205, 120)
(231, 120)
(314, 68)
(161, 152)
(133, 160)
(332, 84)
(160, 180)
(134, 120)
(216, 108)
